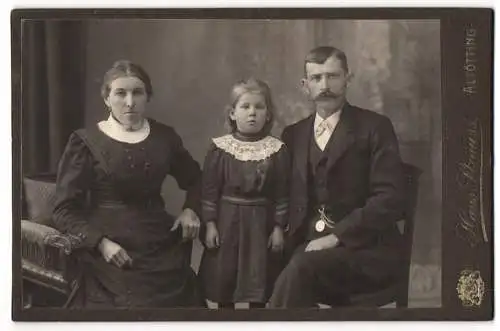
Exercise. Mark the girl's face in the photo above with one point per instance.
(250, 112)
(127, 100)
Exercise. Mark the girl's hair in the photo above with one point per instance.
(251, 85)
(125, 68)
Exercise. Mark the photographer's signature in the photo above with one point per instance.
(471, 224)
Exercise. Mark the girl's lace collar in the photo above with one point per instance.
(248, 150)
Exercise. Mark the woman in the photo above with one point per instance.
(133, 253)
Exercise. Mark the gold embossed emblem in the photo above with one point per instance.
(470, 288)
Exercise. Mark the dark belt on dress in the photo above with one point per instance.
(113, 204)
(245, 201)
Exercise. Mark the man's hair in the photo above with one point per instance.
(320, 54)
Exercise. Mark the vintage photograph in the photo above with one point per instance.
(230, 164)
(190, 154)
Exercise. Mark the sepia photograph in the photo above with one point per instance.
(229, 164)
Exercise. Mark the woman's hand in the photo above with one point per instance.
(189, 222)
(114, 253)
(212, 236)
(276, 240)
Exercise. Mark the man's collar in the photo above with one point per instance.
(332, 120)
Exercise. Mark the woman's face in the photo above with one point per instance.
(127, 100)
(250, 113)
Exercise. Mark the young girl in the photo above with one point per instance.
(244, 202)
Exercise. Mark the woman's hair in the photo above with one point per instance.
(251, 85)
(125, 68)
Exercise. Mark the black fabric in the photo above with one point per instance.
(318, 192)
(243, 268)
(328, 276)
(107, 188)
(362, 181)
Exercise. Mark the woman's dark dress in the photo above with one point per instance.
(121, 184)
(245, 192)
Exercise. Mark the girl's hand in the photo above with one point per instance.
(276, 241)
(212, 236)
(189, 222)
(114, 253)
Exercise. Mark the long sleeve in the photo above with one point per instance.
(212, 184)
(73, 179)
(187, 173)
(386, 190)
(281, 186)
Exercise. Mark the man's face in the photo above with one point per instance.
(326, 84)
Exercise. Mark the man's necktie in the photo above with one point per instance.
(322, 134)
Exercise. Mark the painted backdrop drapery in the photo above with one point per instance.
(53, 95)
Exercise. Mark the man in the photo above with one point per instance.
(346, 195)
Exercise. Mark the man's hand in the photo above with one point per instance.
(328, 241)
(189, 222)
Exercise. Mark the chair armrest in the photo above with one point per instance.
(48, 256)
(68, 243)
(46, 246)
(47, 236)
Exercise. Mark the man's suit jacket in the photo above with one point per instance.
(364, 180)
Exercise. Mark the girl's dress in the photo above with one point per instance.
(122, 182)
(245, 192)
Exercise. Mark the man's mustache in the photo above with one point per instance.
(327, 94)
